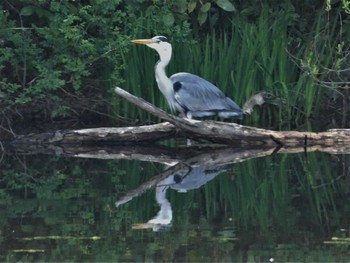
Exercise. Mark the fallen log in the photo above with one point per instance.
(104, 135)
(213, 131)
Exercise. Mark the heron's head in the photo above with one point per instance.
(160, 43)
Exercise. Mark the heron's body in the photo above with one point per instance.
(187, 93)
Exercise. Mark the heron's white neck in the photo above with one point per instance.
(164, 83)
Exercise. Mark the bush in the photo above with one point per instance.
(58, 49)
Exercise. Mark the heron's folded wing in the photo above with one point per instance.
(196, 94)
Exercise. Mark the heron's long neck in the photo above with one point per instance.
(164, 83)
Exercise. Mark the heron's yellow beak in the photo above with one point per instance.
(144, 41)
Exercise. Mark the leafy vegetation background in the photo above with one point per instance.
(60, 60)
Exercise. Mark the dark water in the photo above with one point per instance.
(277, 208)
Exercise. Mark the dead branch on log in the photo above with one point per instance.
(255, 100)
(233, 134)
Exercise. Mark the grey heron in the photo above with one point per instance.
(187, 93)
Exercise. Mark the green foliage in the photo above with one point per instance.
(68, 56)
(197, 12)
(60, 45)
(204, 10)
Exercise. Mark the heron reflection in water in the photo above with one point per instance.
(182, 181)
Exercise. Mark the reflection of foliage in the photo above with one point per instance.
(56, 199)
(258, 210)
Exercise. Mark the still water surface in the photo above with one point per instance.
(277, 208)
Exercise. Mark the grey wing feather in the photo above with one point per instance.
(196, 94)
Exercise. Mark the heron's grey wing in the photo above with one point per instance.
(198, 176)
(195, 94)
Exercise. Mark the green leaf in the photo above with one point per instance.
(180, 6)
(226, 5)
(202, 17)
(27, 11)
(205, 8)
(168, 19)
(191, 6)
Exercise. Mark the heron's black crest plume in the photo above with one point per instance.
(162, 39)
